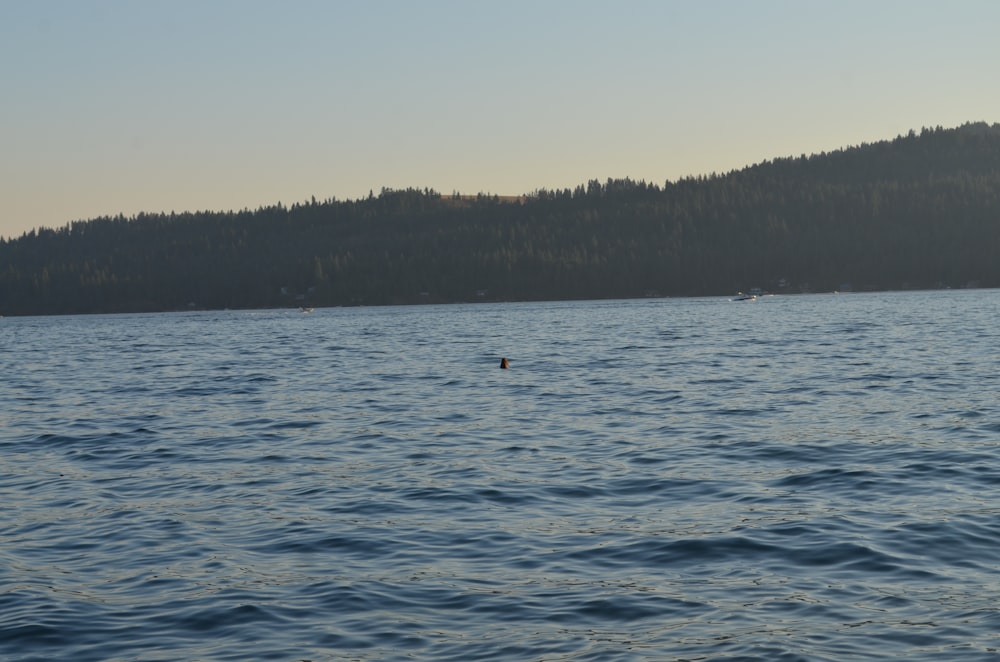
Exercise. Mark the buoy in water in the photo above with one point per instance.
(503, 363)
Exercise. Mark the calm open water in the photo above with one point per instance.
(797, 478)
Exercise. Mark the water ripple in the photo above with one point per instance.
(808, 478)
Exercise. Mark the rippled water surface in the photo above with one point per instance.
(796, 478)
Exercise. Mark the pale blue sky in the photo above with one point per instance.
(112, 106)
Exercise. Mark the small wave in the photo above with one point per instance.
(829, 478)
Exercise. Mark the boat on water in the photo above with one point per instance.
(305, 310)
(740, 296)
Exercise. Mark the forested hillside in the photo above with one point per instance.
(919, 211)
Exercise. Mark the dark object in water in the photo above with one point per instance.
(503, 363)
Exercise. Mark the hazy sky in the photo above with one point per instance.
(112, 106)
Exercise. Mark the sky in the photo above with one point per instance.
(128, 106)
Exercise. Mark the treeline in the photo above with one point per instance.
(919, 211)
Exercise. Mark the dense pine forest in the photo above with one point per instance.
(919, 211)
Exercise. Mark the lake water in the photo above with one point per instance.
(797, 478)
